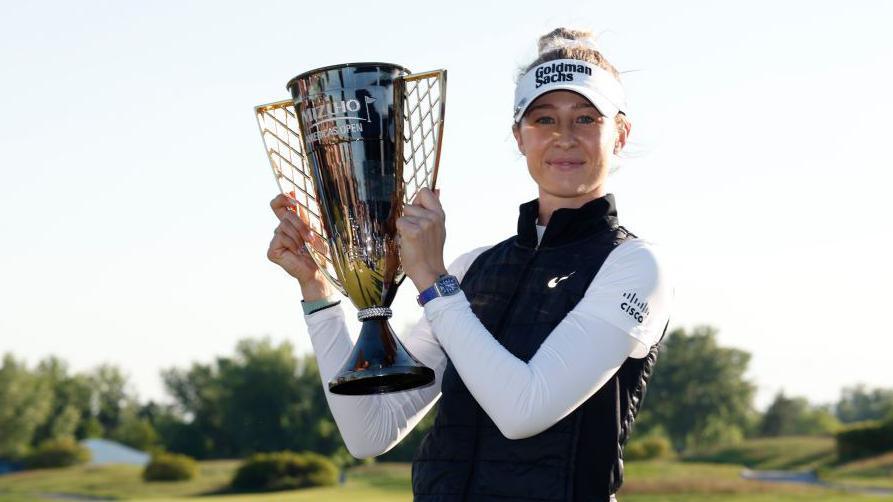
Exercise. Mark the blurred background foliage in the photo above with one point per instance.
(265, 398)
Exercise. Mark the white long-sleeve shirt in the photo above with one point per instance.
(622, 314)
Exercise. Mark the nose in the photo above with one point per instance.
(564, 136)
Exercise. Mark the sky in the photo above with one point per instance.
(134, 216)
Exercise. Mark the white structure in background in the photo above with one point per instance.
(103, 451)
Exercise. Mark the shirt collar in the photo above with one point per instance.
(567, 225)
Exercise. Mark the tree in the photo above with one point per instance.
(858, 404)
(782, 415)
(698, 392)
(50, 406)
(794, 416)
(70, 409)
(262, 399)
(136, 432)
(25, 402)
(261, 402)
(110, 396)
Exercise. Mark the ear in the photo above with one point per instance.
(516, 132)
(623, 129)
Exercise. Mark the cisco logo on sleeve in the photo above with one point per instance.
(634, 307)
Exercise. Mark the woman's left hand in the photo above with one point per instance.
(422, 234)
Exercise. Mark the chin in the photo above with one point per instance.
(570, 190)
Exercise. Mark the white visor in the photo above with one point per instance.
(596, 84)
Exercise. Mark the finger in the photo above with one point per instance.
(411, 220)
(434, 216)
(417, 199)
(280, 248)
(305, 218)
(299, 225)
(282, 239)
(281, 204)
(307, 234)
(407, 225)
(428, 200)
(288, 229)
(276, 251)
(419, 212)
(283, 242)
(424, 223)
(291, 262)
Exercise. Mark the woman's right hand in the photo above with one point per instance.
(287, 250)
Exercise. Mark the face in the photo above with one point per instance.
(568, 145)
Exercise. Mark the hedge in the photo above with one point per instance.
(284, 470)
(650, 447)
(62, 452)
(865, 439)
(170, 467)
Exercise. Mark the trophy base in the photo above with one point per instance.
(380, 382)
(379, 363)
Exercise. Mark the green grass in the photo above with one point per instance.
(653, 481)
(376, 482)
(750, 497)
(657, 478)
(384, 482)
(874, 471)
(114, 482)
(784, 453)
(804, 453)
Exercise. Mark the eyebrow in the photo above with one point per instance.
(581, 104)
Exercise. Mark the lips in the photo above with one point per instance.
(565, 163)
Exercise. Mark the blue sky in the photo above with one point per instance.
(133, 201)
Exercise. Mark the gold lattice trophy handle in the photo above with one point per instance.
(284, 146)
(423, 98)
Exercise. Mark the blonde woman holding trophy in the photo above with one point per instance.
(542, 344)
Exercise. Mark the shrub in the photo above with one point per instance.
(62, 452)
(648, 448)
(170, 467)
(716, 431)
(284, 470)
(864, 440)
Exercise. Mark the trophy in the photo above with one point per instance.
(355, 144)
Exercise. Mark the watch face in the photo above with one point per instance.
(448, 285)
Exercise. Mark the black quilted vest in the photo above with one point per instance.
(464, 457)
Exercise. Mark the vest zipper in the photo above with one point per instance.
(496, 335)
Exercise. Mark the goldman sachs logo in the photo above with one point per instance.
(559, 72)
(635, 307)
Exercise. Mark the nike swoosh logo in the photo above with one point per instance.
(554, 281)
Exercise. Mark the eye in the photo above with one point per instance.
(586, 119)
(543, 119)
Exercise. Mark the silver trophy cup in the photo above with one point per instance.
(356, 143)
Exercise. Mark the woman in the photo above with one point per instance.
(542, 355)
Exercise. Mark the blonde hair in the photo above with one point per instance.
(565, 43)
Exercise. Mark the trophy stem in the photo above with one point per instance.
(379, 362)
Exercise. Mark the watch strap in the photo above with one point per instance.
(444, 285)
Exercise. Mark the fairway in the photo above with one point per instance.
(777, 453)
(650, 481)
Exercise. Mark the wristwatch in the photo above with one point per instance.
(445, 285)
